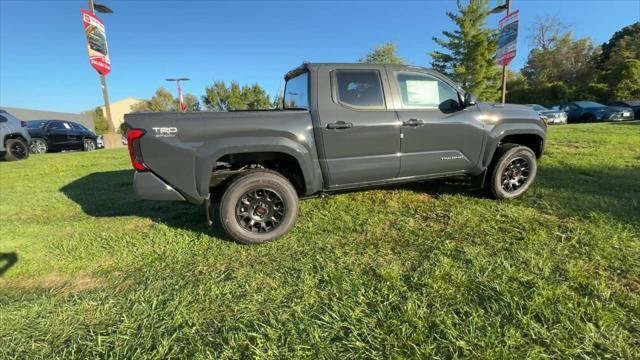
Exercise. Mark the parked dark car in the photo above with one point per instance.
(590, 111)
(342, 126)
(550, 116)
(634, 104)
(58, 135)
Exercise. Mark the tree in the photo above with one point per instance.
(99, 121)
(546, 32)
(469, 51)
(568, 61)
(192, 102)
(383, 54)
(161, 101)
(619, 64)
(219, 97)
(612, 47)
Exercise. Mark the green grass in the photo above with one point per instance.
(423, 271)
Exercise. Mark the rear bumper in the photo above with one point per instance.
(150, 187)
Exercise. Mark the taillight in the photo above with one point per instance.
(23, 123)
(133, 137)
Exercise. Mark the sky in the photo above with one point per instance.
(44, 63)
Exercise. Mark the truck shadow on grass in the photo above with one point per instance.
(566, 192)
(110, 194)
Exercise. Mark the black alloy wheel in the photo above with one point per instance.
(16, 149)
(260, 210)
(258, 206)
(515, 175)
(512, 172)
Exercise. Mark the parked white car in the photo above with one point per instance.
(14, 137)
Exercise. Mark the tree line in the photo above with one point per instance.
(559, 67)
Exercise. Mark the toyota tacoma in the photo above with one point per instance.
(340, 127)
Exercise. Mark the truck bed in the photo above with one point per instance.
(182, 148)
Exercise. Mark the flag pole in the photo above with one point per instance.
(504, 67)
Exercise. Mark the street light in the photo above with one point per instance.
(183, 107)
(498, 9)
(102, 9)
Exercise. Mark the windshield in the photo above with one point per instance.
(35, 124)
(537, 107)
(588, 104)
(296, 93)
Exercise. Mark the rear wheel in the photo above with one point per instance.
(38, 146)
(16, 149)
(588, 117)
(88, 145)
(258, 206)
(512, 172)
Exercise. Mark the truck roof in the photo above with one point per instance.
(312, 66)
(307, 66)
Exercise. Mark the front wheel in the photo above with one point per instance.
(258, 206)
(513, 172)
(38, 146)
(88, 144)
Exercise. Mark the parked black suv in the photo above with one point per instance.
(58, 135)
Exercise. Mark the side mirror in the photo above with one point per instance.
(469, 100)
(449, 106)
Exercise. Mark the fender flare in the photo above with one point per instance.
(209, 153)
(496, 135)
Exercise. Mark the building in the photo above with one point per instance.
(28, 114)
(119, 108)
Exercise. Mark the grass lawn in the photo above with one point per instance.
(431, 270)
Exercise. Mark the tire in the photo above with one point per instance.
(16, 149)
(512, 172)
(258, 206)
(89, 145)
(38, 146)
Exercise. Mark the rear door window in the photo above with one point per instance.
(359, 89)
(296, 92)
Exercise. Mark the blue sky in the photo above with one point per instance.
(44, 65)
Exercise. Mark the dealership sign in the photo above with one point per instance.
(508, 39)
(96, 43)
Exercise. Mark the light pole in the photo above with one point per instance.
(496, 10)
(182, 105)
(103, 81)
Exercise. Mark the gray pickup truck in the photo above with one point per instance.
(341, 126)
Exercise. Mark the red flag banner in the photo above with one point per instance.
(96, 43)
(508, 39)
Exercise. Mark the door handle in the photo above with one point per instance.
(413, 122)
(339, 125)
